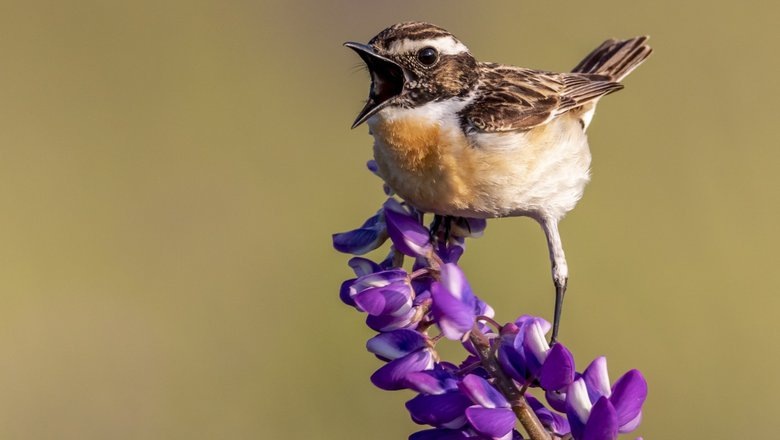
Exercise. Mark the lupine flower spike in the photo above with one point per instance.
(486, 395)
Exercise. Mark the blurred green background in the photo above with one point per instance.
(171, 172)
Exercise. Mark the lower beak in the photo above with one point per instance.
(387, 80)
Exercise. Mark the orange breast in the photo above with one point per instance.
(413, 144)
(424, 163)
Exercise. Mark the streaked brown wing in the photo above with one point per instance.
(513, 98)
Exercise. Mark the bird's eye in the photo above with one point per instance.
(427, 56)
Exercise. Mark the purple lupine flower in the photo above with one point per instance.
(363, 266)
(384, 292)
(454, 304)
(597, 411)
(491, 415)
(371, 235)
(440, 403)
(402, 306)
(387, 296)
(406, 351)
(551, 420)
(526, 356)
(459, 434)
(396, 344)
(512, 355)
(406, 232)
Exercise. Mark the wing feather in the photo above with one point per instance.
(514, 98)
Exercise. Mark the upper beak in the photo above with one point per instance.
(387, 80)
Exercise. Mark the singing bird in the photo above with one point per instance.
(457, 137)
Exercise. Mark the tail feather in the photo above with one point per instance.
(615, 59)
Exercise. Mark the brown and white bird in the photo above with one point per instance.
(457, 137)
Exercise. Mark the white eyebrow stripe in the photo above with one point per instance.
(445, 45)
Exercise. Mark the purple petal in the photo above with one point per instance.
(394, 299)
(512, 361)
(525, 320)
(451, 253)
(437, 381)
(493, 422)
(482, 308)
(631, 424)
(454, 318)
(438, 410)
(557, 372)
(363, 266)
(578, 406)
(440, 434)
(522, 324)
(556, 399)
(396, 344)
(553, 421)
(597, 379)
(372, 166)
(628, 396)
(534, 347)
(454, 280)
(482, 392)
(407, 234)
(379, 279)
(386, 323)
(392, 375)
(602, 423)
(344, 292)
(368, 237)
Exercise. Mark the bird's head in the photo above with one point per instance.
(414, 63)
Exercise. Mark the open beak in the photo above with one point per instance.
(387, 80)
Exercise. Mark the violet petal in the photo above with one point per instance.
(368, 237)
(482, 392)
(493, 422)
(631, 424)
(578, 406)
(437, 410)
(454, 280)
(512, 362)
(394, 299)
(437, 381)
(344, 292)
(557, 371)
(551, 420)
(363, 266)
(396, 344)
(597, 379)
(602, 423)
(386, 323)
(628, 396)
(556, 399)
(440, 434)
(392, 375)
(453, 317)
(407, 234)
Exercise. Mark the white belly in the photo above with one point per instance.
(545, 170)
(540, 172)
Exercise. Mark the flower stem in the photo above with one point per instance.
(519, 404)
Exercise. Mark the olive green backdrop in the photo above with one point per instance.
(171, 172)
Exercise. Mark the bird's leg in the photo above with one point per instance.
(435, 225)
(447, 227)
(438, 220)
(560, 270)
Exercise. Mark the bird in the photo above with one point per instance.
(457, 137)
